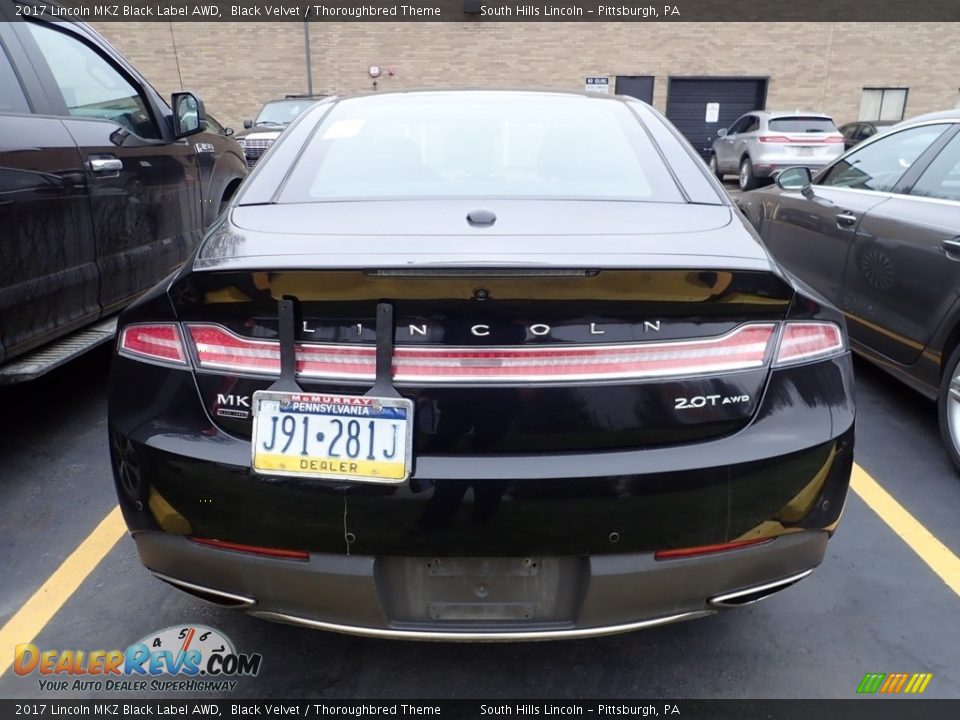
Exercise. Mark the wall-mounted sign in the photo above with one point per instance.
(598, 85)
(713, 112)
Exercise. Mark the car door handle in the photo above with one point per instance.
(105, 165)
(846, 219)
(952, 247)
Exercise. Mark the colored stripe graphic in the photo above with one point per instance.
(893, 683)
(871, 682)
(920, 682)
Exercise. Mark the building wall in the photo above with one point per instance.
(814, 66)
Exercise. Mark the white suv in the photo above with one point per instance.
(760, 144)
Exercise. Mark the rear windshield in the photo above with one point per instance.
(480, 144)
(802, 124)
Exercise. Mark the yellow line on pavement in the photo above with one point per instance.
(934, 553)
(36, 612)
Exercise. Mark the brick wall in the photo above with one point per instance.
(815, 66)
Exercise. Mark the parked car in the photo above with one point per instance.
(760, 144)
(856, 132)
(258, 135)
(481, 365)
(878, 234)
(104, 189)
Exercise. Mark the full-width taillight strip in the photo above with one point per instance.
(743, 348)
(746, 347)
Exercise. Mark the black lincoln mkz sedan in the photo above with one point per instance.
(481, 365)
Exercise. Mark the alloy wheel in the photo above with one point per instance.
(953, 408)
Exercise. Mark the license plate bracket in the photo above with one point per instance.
(333, 437)
(478, 590)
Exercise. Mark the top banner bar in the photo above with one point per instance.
(480, 11)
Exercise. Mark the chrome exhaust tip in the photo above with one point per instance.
(750, 595)
(220, 598)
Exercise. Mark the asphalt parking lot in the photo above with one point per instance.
(876, 604)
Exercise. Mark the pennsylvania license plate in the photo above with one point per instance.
(344, 437)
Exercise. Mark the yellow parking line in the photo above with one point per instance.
(923, 542)
(36, 612)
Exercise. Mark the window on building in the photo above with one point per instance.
(883, 103)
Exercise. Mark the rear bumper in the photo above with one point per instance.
(366, 595)
(408, 561)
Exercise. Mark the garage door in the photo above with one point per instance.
(700, 106)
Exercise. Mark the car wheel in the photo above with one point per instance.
(748, 180)
(948, 408)
(715, 168)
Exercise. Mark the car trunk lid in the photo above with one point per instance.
(502, 360)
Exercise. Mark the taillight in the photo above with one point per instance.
(783, 140)
(802, 341)
(741, 349)
(160, 342)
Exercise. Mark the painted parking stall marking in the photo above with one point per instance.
(37, 611)
(924, 543)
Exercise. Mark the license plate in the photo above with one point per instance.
(805, 152)
(344, 437)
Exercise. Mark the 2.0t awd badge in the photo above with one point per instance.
(699, 401)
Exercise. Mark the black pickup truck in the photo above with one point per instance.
(104, 189)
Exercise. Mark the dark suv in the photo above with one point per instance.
(104, 190)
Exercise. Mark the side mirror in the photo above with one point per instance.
(228, 131)
(189, 116)
(247, 124)
(796, 178)
(722, 132)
